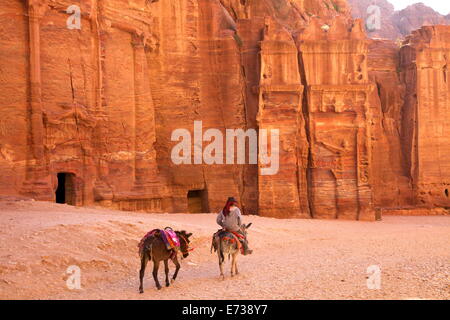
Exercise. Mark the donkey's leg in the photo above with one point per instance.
(144, 260)
(155, 273)
(233, 264)
(166, 270)
(177, 268)
(222, 276)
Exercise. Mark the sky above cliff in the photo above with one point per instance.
(441, 6)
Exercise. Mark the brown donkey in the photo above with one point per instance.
(155, 249)
(225, 243)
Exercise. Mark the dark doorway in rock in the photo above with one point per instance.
(65, 192)
(197, 201)
(446, 192)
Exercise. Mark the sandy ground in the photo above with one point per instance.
(292, 259)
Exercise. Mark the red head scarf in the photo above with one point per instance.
(230, 202)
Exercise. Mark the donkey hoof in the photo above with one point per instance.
(222, 277)
(141, 291)
(159, 287)
(167, 284)
(172, 280)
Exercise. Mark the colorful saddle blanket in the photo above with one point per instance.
(169, 237)
(222, 233)
(231, 236)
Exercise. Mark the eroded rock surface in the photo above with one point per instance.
(361, 122)
(425, 59)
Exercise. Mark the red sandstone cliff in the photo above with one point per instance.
(101, 103)
(391, 175)
(424, 62)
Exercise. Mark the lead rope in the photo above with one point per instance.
(187, 245)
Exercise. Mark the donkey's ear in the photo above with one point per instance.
(248, 226)
(189, 234)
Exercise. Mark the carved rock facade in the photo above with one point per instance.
(425, 60)
(94, 109)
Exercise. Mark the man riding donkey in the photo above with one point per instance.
(230, 220)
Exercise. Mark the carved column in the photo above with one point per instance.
(37, 129)
(282, 194)
(144, 128)
(37, 182)
(147, 188)
(102, 190)
(364, 156)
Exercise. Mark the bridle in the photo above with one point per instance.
(187, 245)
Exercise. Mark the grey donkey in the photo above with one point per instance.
(225, 243)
